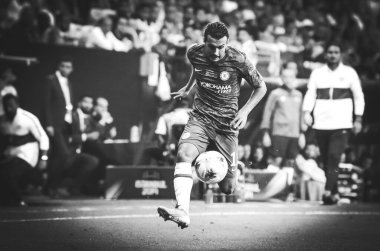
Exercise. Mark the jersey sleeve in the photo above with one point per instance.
(191, 52)
(251, 74)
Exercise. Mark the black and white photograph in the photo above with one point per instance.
(189, 125)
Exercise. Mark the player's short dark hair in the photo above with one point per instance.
(216, 30)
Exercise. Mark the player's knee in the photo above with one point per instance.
(187, 153)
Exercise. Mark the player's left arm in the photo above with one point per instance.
(254, 78)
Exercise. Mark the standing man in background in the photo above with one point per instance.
(336, 99)
(282, 119)
(58, 108)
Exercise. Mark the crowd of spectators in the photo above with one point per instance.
(61, 156)
(270, 32)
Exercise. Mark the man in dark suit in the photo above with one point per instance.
(58, 108)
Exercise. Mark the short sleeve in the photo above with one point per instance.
(251, 74)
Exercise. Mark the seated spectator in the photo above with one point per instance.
(312, 178)
(65, 32)
(168, 131)
(125, 33)
(259, 159)
(148, 20)
(244, 154)
(105, 123)
(308, 165)
(102, 37)
(82, 122)
(93, 127)
(24, 145)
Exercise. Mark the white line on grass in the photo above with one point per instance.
(133, 216)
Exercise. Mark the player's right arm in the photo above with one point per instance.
(184, 91)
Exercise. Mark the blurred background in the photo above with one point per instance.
(129, 55)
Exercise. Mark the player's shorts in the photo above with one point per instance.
(285, 147)
(206, 138)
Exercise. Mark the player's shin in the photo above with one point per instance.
(183, 183)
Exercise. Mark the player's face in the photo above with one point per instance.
(215, 49)
(333, 54)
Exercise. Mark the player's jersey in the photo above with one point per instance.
(218, 85)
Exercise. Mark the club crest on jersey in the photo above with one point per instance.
(224, 75)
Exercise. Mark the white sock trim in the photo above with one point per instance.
(182, 168)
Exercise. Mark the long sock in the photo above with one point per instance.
(183, 182)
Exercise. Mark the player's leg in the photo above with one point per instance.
(228, 146)
(192, 142)
(183, 179)
(183, 182)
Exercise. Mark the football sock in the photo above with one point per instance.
(183, 182)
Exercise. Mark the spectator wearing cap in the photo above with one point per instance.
(24, 146)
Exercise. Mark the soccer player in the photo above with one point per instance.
(215, 120)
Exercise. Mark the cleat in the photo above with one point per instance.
(176, 215)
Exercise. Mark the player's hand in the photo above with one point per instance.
(267, 142)
(240, 120)
(180, 94)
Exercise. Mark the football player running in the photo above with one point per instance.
(215, 120)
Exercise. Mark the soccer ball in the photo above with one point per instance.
(211, 167)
